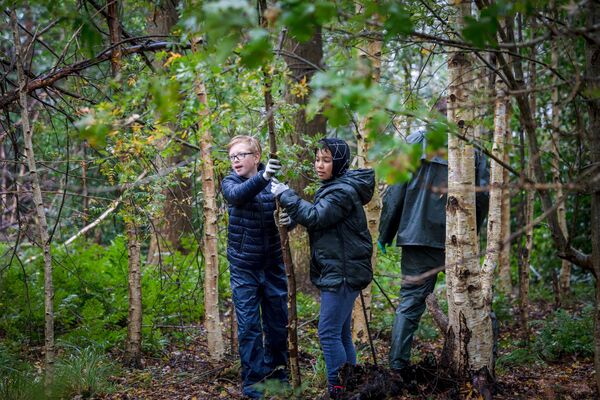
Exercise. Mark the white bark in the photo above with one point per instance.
(212, 319)
(494, 226)
(372, 58)
(134, 320)
(469, 338)
(564, 281)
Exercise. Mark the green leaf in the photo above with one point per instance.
(482, 31)
(258, 50)
(91, 39)
(398, 21)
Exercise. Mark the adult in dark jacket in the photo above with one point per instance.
(414, 213)
(340, 246)
(258, 280)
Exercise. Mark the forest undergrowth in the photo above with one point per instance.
(556, 362)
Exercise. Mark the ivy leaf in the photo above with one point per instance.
(166, 98)
(398, 21)
(302, 18)
(336, 116)
(258, 50)
(482, 31)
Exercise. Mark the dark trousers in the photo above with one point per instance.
(416, 260)
(260, 299)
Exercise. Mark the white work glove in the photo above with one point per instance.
(283, 219)
(277, 188)
(273, 167)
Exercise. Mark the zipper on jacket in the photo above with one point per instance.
(343, 253)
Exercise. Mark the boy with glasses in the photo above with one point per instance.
(258, 280)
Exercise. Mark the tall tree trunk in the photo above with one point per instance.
(84, 186)
(371, 57)
(176, 209)
(212, 319)
(292, 341)
(565, 270)
(494, 225)
(469, 340)
(133, 348)
(524, 259)
(592, 50)
(303, 60)
(44, 237)
(134, 321)
(504, 259)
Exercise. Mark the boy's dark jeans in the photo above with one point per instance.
(416, 260)
(260, 299)
(335, 333)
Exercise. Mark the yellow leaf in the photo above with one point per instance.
(173, 56)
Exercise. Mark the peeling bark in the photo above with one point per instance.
(471, 342)
(212, 319)
(565, 270)
(371, 58)
(134, 321)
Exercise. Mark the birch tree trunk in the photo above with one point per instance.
(44, 239)
(504, 259)
(469, 340)
(525, 257)
(212, 318)
(564, 282)
(134, 321)
(494, 225)
(133, 346)
(371, 57)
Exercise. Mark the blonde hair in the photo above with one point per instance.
(250, 141)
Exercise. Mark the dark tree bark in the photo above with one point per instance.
(592, 83)
(303, 60)
(176, 218)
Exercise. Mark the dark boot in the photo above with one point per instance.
(335, 391)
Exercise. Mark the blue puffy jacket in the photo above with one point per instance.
(253, 238)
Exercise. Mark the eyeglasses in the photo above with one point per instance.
(238, 156)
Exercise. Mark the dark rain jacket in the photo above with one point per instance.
(340, 241)
(253, 238)
(415, 212)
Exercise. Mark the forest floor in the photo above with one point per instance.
(184, 372)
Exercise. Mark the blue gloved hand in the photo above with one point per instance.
(381, 247)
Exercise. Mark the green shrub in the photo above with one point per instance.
(85, 372)
(17, 379)
(521, 356)
(565, 334)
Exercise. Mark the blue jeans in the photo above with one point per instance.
(335, 333)
(260, 299)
